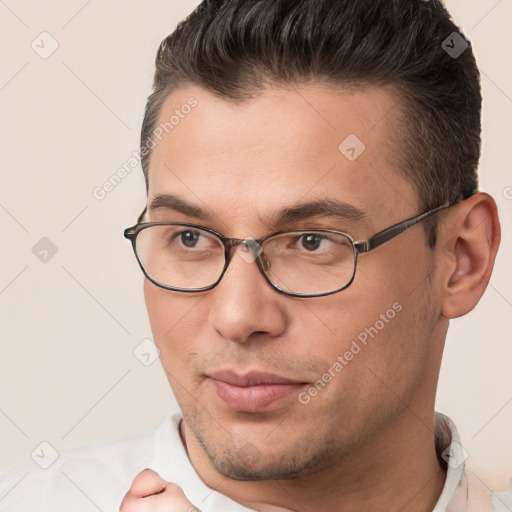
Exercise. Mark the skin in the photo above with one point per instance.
(149, 492)
(369, 433)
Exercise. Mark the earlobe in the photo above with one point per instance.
(475, 235)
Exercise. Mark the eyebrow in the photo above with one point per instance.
(325, 207)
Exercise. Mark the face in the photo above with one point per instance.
(273, 386)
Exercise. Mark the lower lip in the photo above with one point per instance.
(253, 398)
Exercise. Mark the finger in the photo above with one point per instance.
(147, 482)
(173, 499)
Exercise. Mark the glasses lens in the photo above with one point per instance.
(180, 256)
(301, 262)
(309, 262)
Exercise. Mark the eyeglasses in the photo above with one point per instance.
(189, 258)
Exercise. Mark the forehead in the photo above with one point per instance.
(285, 144)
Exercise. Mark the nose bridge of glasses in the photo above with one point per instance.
(247, 243)
(248, 246)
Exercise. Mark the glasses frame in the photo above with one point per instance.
(359, 247)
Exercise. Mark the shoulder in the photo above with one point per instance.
(88, 477)
(465, 488)
(502, 500)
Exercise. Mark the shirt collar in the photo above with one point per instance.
(452, 454)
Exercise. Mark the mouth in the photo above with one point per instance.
(254, 391)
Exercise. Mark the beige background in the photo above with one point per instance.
(69, 326)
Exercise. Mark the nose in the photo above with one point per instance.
(244, 303)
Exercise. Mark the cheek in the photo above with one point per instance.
(379, 330)
(160, 309)
(374, 369)
(170, 317)
(175, 322)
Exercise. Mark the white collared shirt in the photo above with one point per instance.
(463, 490)
(96, 476)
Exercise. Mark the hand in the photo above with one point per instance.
(151, 493)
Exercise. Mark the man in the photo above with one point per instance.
(313, 223)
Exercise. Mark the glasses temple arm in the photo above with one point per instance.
(141, 216)
(395, 230)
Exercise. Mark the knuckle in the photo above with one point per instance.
(146, 482)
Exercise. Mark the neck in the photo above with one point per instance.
(397, 470)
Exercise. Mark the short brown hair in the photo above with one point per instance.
(234, 48)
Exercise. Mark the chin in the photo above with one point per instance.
(252, 463)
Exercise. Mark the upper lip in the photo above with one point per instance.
(253, 378)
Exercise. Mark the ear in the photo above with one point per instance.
(471, 239)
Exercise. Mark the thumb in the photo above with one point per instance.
(146, 483)
(150, 492)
